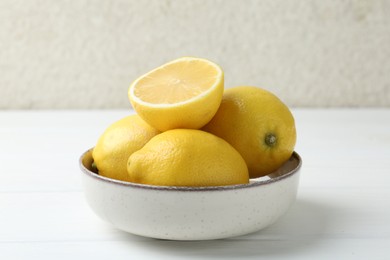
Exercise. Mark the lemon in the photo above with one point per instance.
(117, 143)
(259, 125)
(183, 93)
(187, 157)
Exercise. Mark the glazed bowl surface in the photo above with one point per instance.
(191, 213)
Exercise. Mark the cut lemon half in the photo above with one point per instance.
(183, 93)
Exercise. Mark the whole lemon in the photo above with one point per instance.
(117, 143)
(187, 157)
(258, 124)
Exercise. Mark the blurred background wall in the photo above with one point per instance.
(84, 54)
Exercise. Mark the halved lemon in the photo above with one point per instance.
(183, 93)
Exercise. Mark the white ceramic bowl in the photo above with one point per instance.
(189, 213)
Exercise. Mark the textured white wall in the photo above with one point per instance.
(84, 54)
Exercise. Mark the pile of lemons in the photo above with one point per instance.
(189, 131)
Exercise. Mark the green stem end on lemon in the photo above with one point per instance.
(270, 140)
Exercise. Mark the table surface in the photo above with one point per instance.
(342, 209)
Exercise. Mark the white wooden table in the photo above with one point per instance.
(342, 210)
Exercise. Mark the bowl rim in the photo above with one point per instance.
(253, 183)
